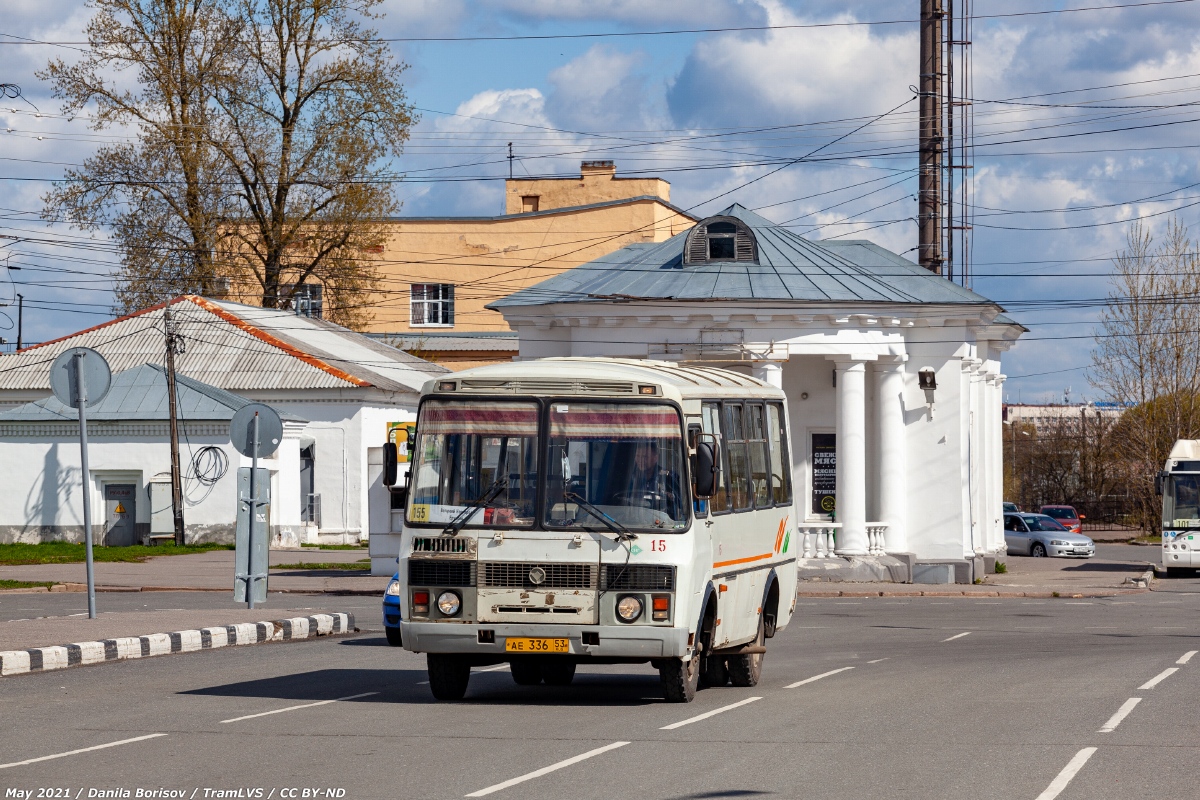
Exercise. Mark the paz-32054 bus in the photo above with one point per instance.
(574, 511)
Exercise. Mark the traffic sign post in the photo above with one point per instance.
(80, 378)
(255, 430)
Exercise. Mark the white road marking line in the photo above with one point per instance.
(876, 661)
(957, 636)
(422, 683)
(1068, 772)
(708, 714)
(293, 708)
(495, 668)
(546, 770)
(1186, 657)
(816, 678)
(81, 750)
(1159, 678)
(1121, 714)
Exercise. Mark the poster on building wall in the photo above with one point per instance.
(400, 434)
(824, 472)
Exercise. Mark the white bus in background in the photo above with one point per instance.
(576, 511)
(1179, 484)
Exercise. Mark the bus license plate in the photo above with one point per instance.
(523, 644)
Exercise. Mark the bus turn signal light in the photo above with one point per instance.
(420, 602)
(661, 607)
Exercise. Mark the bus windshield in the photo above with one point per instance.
(1181, 502)
(473, 451)
(621, 460)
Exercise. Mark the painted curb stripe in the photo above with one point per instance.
(45, 659)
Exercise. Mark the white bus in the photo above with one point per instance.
(572, 511)
(1179, 484)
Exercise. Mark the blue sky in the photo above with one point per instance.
(1056, 184)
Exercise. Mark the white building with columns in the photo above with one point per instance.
(845, 328)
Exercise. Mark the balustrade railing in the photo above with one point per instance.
(819, 539)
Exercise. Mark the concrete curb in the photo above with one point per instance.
(44, 659)
(80, 587)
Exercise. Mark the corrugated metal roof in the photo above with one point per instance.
(140, 394)
(790, 268)
(234, 347)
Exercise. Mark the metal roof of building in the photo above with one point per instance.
(235, 347)
(789, 268)
(140, 395)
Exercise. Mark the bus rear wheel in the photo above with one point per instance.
(525, 671)
(448, 675)
(680, 678)
(746, 670)
(557, 672)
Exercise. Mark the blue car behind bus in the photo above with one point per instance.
(391, 611)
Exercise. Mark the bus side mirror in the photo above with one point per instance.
(389, 464)
(1159, 480)
(705, 472)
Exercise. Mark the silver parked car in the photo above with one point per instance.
(1039, 535)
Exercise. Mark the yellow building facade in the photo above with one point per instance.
(437, 274)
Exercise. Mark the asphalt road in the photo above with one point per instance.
(57, 604)
(913, 698)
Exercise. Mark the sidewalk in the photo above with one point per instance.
(210, 571)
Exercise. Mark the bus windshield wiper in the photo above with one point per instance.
(489, 494)
(623, 533)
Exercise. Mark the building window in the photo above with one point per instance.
(431, 304)
(529, 202)
(720, 241)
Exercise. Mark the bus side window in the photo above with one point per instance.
(739, 467)
(710, 422)
(756, 443)
(781, 462)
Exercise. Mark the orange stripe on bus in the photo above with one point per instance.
(717, 564)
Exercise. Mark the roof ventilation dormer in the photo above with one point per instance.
(720, 239)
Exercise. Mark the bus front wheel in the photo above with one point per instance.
(680, 678)
(448, 675)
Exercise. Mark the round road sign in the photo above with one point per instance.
(270, 430)
(80, 368)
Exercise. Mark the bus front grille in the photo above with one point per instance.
(517, 575)
(638, 578)
(440, 573)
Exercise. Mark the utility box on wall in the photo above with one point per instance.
(161, 519)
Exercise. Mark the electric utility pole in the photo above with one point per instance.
(174, 345)
(20, 319)
(931, 142)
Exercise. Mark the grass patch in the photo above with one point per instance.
(1055, 594)
(364, 564)
(1001, 568)
(336, 546)
(1154, 539)
(68, 553)
(7, 584)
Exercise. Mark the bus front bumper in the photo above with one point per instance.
(625, 641)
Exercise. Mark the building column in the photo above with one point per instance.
(893, 455)
(997, 456)
(769, 372)
(851, 505)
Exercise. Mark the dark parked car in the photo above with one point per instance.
(1039, 536)
(1067, 515)
(1010, 508)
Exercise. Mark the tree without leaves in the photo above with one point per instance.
(1146, 355)
(166, 195)
(317, 107)
(261, 125)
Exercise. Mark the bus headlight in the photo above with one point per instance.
(449, 603)
(629, 608)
